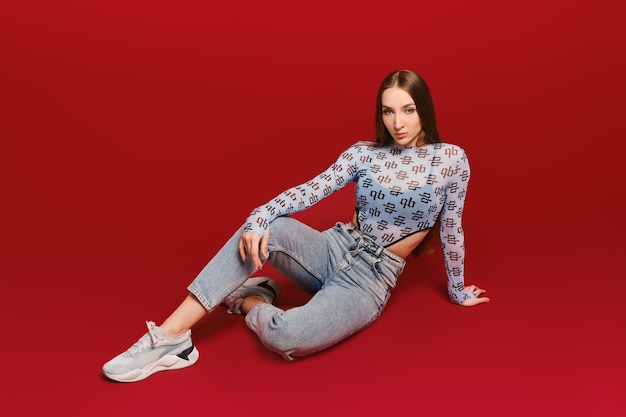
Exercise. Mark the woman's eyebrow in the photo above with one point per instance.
(406, 105)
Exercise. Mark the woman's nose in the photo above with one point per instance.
(397, 122)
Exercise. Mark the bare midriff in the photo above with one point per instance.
(404, 247)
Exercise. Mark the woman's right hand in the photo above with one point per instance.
(250, 244)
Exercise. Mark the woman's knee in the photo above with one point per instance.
(282, 225)
(270, 325)
(279, 344)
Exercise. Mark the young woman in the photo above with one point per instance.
(407, 183)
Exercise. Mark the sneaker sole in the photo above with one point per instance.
(166, 363)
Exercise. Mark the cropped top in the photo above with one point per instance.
(400, 190)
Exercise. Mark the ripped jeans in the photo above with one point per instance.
(349, 276)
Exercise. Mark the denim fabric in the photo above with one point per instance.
(349, 275)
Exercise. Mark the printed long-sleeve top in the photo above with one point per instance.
(400, 190)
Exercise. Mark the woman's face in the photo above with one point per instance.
(400, 116)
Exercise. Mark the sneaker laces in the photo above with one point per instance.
(148, 340)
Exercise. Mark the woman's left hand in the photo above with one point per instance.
(477, 292)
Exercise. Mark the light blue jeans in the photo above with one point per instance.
(349, 276)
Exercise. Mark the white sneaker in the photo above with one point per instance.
(262, 287)
(152, 353)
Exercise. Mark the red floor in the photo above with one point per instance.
(136, 136)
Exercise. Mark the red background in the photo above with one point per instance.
(137, 135)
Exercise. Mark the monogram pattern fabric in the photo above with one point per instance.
(400, 190)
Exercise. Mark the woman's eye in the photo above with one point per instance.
(387, 111)
(410, 110)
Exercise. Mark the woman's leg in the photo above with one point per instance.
(340, 309)
(353, 296)
(221, 276)
(300, 253)
(169, 346)
(188, 313)
(295, 249)
(224, 273)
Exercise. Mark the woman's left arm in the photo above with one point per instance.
(451, 231)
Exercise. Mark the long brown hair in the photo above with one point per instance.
(415, 85)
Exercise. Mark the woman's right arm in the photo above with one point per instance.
(296, 199)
